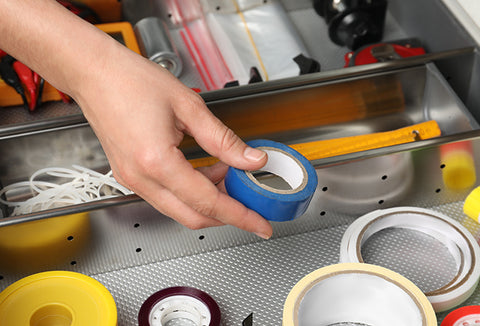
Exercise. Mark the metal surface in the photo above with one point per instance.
(351, 106)
(254, 277)
(135, 251)
(448, 44)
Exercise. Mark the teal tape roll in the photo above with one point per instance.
(275, 204)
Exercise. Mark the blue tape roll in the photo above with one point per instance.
(274, 204)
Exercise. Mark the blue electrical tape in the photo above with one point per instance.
(275, 204)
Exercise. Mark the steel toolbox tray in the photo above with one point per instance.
(135, 251)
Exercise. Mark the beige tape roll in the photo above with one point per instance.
(357, 294)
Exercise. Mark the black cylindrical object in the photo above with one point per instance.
(353, 23)
(155, 44)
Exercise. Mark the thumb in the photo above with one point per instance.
(222, 142)
(230, 149)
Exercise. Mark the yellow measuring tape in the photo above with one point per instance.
(333, 147)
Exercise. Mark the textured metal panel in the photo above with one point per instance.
(251, 278)
(257, 277)
(135, 251)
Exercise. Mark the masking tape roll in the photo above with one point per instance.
(357, 294)
(57, 298)
(179, 302)
(464, 316)
(37, 245)
(455, 237)
(275, 204)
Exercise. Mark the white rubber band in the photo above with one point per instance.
(74, 186)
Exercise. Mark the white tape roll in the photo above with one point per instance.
(456, 238)
(357, 294)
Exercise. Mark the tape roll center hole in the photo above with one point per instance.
(365, 299)
(423, 256)
(281, 172)
(180, 310)
(52, 314)
(469, 320)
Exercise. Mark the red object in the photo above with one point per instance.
(365, 55)
(26, 77)
(81, 10)
(64, 97)
(468, 315)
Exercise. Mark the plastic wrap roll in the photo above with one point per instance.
(257, 35)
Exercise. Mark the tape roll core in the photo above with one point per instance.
(179, 302)
(285, 165)
(272, 203)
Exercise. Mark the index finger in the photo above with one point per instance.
(198, 192)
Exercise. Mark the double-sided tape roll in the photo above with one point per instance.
(57, 298)
(275, 204)
(456, 238)
(357, 294)
(464, 316)
(179, 302)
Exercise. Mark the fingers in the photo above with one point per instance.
(168, 204)
(196, 191)
(214, 173)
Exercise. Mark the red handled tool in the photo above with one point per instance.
(381, 52)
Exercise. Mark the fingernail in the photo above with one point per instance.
(263, 235)
(254, 155)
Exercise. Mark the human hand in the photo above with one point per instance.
(140, 113)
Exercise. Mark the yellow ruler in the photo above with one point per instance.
(333, 147)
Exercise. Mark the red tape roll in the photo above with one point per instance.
(464, 316)
(179, 302)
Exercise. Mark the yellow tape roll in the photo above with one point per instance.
(355, 293)
(57, 298)
(38, 245)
